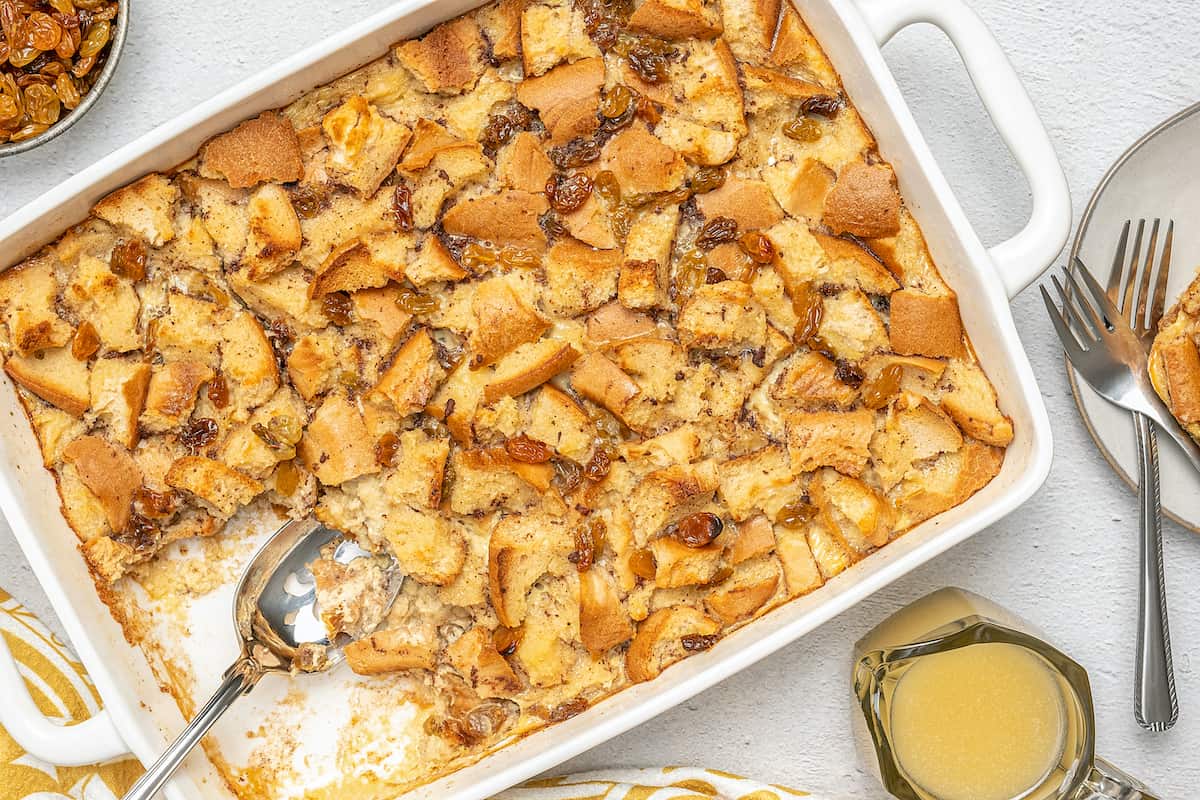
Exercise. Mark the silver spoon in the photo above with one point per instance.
(274, 612)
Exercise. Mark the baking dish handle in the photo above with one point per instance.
(92, 741)
(1026, 255)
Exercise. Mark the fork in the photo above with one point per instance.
(1109, 349)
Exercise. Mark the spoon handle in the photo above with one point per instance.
(239, 679)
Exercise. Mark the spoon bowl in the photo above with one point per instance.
(277, 615)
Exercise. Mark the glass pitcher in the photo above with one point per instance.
(933, 632)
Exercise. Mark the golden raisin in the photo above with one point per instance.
(803, 130)
(95, 39)
(877, 391)
(597, 468)
(402, 211)
(606, 185)
(707, 179)
(695, 642)
(717, 230)
(218, 392)
(507, 639)
(199, 433)
(642, 563)
(617, 102)
(589, 543)
(86, 341)
(696, 530)
(568, 194)
(42, 105)
(517, 258)
(155, 505)
(690, 273)
(567, 475)
(758, 246)
(478, 257)
(526, 450)
(287, 478)
(647, 110)
(336, 306)
(128, 259)
(386, 449)
(307, 200)
(415, 302)
(286, 429)
(809, 306)
(797, 512)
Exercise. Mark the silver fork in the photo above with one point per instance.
(1109, 348)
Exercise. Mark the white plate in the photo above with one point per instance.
(1158, 177)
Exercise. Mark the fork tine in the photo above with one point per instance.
(1160, 286)
(1070, 344)
(1089, 304)
(1126, 303)
(1118, 265)
(1139, 319)
(1107, 309)
(1083, 328)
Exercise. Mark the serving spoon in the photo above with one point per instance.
(276, 617)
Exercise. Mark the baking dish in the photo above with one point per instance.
(984, 280)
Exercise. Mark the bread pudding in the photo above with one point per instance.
(1174, 362)
(605, 321)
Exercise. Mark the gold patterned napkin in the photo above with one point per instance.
(63, 692)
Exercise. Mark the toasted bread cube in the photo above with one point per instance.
(523, 165)
(484, 480)
(809, 382)
(245, 450)
(171, 395)
(448, 59)
(190, 331)
(970, 399)
(522, 549)
(348, 268)
(528, 367)
(389, 650)
(273, 237)
(724, 318)
(248, 361)
(800, 570)
(503, 322)
(749, 203)
(712, 87)
(118, 392)
(450, 170)
(86, 515)
(336, 446)
(380, 306)
(659, 640)
(676, 20)
(220, 490)
(54, 375)
(475, 657)
(364, 145)
(546, 651)
(800, 187)
(312, 364)
(426, 547)
(591, 224)
(566, 98)
(853, 510)
(109, 472)
(915, 430)
(926, 326)
(768, 90)
(265, 148)
(668, 494)
(108, 302)
(55, 429)
(756, 482)
(418, 470)
(750, 26)
(1181, 364)
(601, 381)
(428, 140)
(827, 550)
(655, 364)
(581, 278)
(433, 264)
(501, 23)
(864, 202)
(747, 590)
(145, 207)
(28, 292)
(851, 326)
(754, 537)
(641, 163)
(849, 264)
(613, 323)
(678, 565)
(838, 439)
(413, 376)
(509, 218)
(282, 296)
(949, 481)
(698, 144)
(553, 32)
(603, 621)
(557, 420)
(221, 212)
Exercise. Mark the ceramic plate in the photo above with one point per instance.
(1158, 177)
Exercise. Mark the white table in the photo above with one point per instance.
(1100, 73)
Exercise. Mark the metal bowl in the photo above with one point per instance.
(110, 66)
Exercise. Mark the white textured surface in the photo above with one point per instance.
(1100, 73)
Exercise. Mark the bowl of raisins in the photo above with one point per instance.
(56, 57)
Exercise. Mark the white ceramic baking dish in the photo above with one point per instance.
(140, 719)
